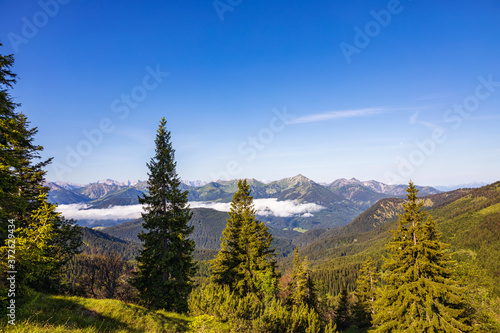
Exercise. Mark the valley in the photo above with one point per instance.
(298, 202)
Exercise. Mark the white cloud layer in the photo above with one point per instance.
(264, 207)
(285, 208)
(82, 212)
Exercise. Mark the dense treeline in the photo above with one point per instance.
(333, 280)
(95, 241)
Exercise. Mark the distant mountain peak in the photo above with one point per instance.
(117, 183)
(67, 185)
(344, 182)
(132, 182)
(300, 178)
(253, 181)
(194, 183)
(108, 182)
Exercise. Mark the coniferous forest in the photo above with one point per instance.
(416, 267)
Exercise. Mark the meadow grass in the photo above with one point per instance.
(49, 313)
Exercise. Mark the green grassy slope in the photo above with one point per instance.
(44, 313)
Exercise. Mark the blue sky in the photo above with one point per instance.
(384, 90)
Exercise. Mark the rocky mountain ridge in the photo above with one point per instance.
(298, 188)
(341, 201)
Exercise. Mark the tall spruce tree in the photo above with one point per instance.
(9, 138)
(166, 266)
(301, 286)
(246, 262)
(342, 311)
(23, 195)
(21, 179)
(420, 294)
(364, 306)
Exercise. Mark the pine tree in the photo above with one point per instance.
(35, 244)
(420, 294)
(363, 309)
(166, 266)
(27, 197)
(301, 286)
(21, 180)
(246, 262)
(23, 194)
(8, 139)
(341, 311)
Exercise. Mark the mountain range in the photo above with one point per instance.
(104, 192)
(335, 204)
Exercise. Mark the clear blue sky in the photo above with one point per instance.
(361, 81)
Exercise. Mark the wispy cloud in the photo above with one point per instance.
(333, 115)
(414, 120)
(341, 114)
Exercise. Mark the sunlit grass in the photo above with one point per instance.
(491, 209)
(44, 313)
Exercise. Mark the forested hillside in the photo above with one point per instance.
(208, 225)
(95, 241)
(469, 220)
